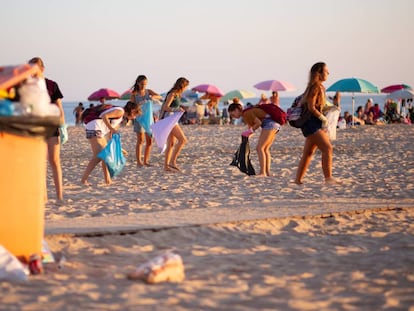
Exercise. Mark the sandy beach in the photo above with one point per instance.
(247, 243)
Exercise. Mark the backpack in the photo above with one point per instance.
(94, 112)
(297, 114)
(275, 112)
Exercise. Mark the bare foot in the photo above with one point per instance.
(169, 170)
(174, 167)
(298, 182)
(140, 165)
(332, 181)
(261, 175)
(148, 164)
(85, 183)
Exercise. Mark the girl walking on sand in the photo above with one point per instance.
(315, 128)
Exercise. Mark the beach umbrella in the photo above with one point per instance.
(353, 85)
(126, 95)
(274, 85)
(240, 94)
(103, 93)
(401, 94)
(209, 89)
(395, 87)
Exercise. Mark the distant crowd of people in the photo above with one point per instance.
(371, 114)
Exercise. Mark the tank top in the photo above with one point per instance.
(176, 102)
(139, 98)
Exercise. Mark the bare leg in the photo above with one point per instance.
(168, 152)
(148, 148)
(304, 162)
(178, 133)
(53, 148)
(138, 148)
(319, 140)
(266, 139)
(97, 144)
(267, 153)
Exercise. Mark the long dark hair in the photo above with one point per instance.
(140, 78)
(179, 85)
(131, 106)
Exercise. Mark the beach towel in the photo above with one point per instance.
(241, 158)
(162, 129)
(146, 119)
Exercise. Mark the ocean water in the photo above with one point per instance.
(285, 103)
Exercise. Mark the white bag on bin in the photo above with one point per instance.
(35, 99)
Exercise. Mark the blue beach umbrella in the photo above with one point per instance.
(353, 85)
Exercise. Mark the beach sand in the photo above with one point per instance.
(247, 243)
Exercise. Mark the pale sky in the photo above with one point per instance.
(233, 44)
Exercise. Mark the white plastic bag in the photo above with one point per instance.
(35, 99)
(332, 116)
(11, 269)
(167, 267)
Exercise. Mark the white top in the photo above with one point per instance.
(99, 125)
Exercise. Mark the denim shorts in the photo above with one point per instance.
(138, 127)
(270, 124)
(93, 133)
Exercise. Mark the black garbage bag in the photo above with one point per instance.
(32, 126)
(241, 158)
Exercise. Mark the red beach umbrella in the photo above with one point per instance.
(103, 93)
(395, 87)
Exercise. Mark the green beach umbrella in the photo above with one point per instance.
(353, 85)
(240, 94)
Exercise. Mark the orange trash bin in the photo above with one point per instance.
(22, 184)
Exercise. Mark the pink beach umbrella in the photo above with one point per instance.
(274, 85)
(103, 93)
(209, 89)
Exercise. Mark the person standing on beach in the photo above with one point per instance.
(256, 117)
(315, 128)
(139, 95)
(53, 143)
(176, 139)
(78, 113)
(274, 99)
(212, 104)
(99, 131)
